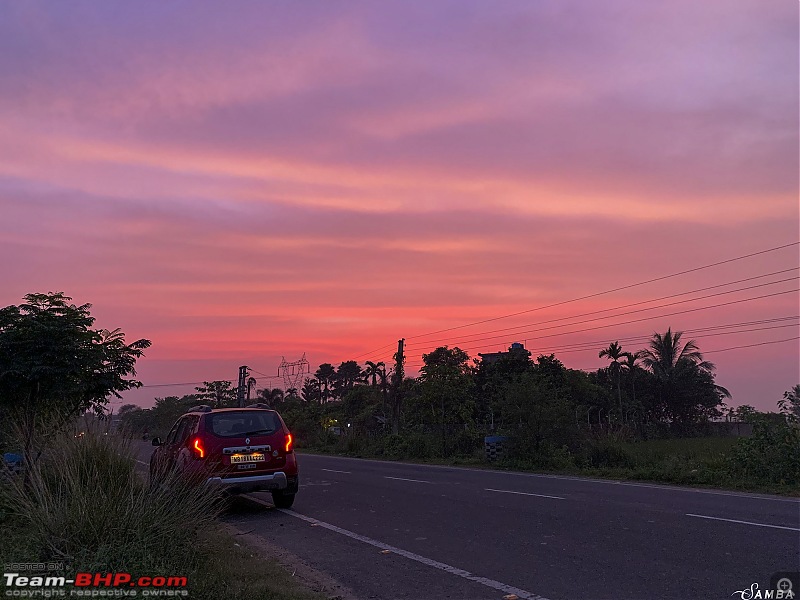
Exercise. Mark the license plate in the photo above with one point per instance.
(247, 458)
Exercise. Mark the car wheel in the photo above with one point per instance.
(282, 500)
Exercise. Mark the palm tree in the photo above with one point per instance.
(372, 370)
(325, 375)
(666, 353)
(384, 376)
(614, 353)
(271, 397)
(630, 367)
(677, 365)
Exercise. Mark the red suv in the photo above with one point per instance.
(238, 449)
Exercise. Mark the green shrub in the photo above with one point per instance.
(83, 503)
(771, 455)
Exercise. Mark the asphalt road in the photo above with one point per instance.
(393, 530)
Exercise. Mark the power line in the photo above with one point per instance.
(650, 318)
(688, 331)
(625, 287)
(645, 338)
(631, 312)
(767, 343)
(466, 337)
(373, 351)
(155, 385)
(797, 337)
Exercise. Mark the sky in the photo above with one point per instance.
(243, 183)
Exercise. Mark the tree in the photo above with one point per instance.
(493, 378)
(325, 375)
(446, 380)
(218, 393)
(538, 408)
(614, 353)
(347, 375)
(54, 365)
(372, 370)
(272, 397)
(630, 367)
(789, 405)
(311, 391)
(384, 385)
(685, 379)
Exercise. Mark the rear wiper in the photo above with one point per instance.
(256, 431)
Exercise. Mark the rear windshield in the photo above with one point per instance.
(238, 424)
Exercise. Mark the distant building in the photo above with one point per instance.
(515, 349)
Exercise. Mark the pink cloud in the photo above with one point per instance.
(246, 185)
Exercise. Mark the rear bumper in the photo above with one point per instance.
(253, 483)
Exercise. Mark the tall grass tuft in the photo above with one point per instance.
(84, 503)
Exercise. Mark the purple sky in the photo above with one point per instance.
(244, 182)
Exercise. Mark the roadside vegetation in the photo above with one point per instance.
(69, 490)
(85, 505)
(655, 414)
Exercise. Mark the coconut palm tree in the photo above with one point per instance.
(630, 367)
(271, 397)
(372, 370)
(679, 368)
(666, 353)
(614, 353)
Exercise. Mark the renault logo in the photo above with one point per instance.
(247, 441)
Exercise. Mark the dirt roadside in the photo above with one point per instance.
(307, 575)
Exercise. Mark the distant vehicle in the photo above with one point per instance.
(238, 449)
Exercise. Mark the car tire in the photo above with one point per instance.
(282, 500)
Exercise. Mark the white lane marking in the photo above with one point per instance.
(744, 522)
(335, 471)
(655, 486)
(404, 479)
(141, 462)
(496, 585)
(524, 494)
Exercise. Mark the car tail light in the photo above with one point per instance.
(198, 448)
(289, 442)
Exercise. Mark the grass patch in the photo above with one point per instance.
(704, 461)
(85, 505)
(233, 570)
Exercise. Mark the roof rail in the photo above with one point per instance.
(204, 408)
(260, 405)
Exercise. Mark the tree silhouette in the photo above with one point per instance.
(630, 367)
(614, 353)
(372, 370)
(325, 375)
(271, 397)
(685, 379)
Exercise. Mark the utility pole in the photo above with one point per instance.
(399, 359)
(240, 390)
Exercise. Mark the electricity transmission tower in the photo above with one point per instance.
(292, 372)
